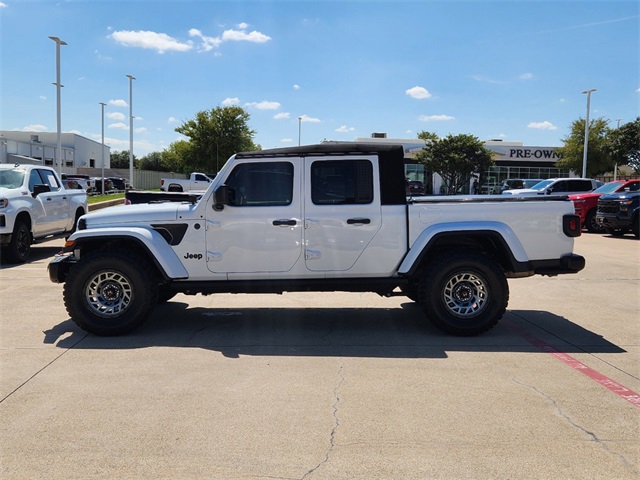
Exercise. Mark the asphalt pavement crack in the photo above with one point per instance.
(41, 370)
(336, 423)
(592, 436)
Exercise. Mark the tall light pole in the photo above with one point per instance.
(131, 79)
(58, 87)
(586, 133)
(299, 129)
(102, 145)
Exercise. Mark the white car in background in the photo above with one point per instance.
(558, 186)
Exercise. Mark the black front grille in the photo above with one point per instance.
(608, 206)
(3, 221)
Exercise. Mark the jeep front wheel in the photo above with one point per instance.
(464, 294)
(110, 293)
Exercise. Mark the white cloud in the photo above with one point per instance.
(161, 42)
(435, 118)
(344, 129)
(542, 125)
(526, 76)
(638, 90)
(118, 103)
(116, 116)
(77, 132)
(208, 43)
(242, 36)
(308, 119)
(119, 125)
(264, 105)
(296, 86)
(227, 102)
(243, 26)
(282, 116)
(35, 128)
(3, 5)
(42, 97)
(140, 130)
(485, 79)
(418, 92)
(172, 120)
(286, 140)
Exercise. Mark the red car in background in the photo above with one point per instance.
(586, 204)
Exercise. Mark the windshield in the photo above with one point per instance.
(11, 178)
(541, 185)
(608, 187)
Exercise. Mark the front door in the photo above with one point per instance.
(260, 229)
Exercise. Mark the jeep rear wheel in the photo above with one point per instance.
(110, 293)
(464, 294)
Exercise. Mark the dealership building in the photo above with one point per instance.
(40, 148)
(512, 160)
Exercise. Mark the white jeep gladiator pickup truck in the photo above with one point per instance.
(34, 204)
(196, 182)
(328, 217)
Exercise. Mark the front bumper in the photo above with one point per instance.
(611, 221)
(59, 267)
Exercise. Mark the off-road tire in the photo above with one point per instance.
(110, 293)
(463, 294)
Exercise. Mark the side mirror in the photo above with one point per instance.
(40, 188)
(220, 198)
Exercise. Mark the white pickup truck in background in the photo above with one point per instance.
(328, 217)
(197, 182)
(34, 204)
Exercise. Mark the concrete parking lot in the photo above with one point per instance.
(327, 385)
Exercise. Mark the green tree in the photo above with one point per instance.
(153, 161)
(625, 145)
(455, 158)
(121, 159)
(215, 135)
(599, 151)
(175, 158)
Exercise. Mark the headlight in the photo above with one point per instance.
(4, 202)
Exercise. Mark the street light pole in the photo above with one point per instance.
(586, 133)
(102, 146)
(131, 79)
(58, 92)
(299, 129)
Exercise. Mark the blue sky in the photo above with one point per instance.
(513, 70)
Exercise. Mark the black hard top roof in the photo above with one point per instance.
(329, 148)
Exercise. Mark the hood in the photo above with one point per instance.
(582, 196)
(133, 214)
(620, 196)
(522, 191)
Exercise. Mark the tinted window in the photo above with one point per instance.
(48, 178)
(261, 184)
(580, 186)
(34, 179)
(341, 182)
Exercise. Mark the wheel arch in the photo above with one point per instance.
(147, 243)
(488, 242)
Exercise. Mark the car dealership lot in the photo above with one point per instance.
(327, 385)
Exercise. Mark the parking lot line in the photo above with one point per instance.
(615, 387)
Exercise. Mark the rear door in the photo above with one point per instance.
(342, 211)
